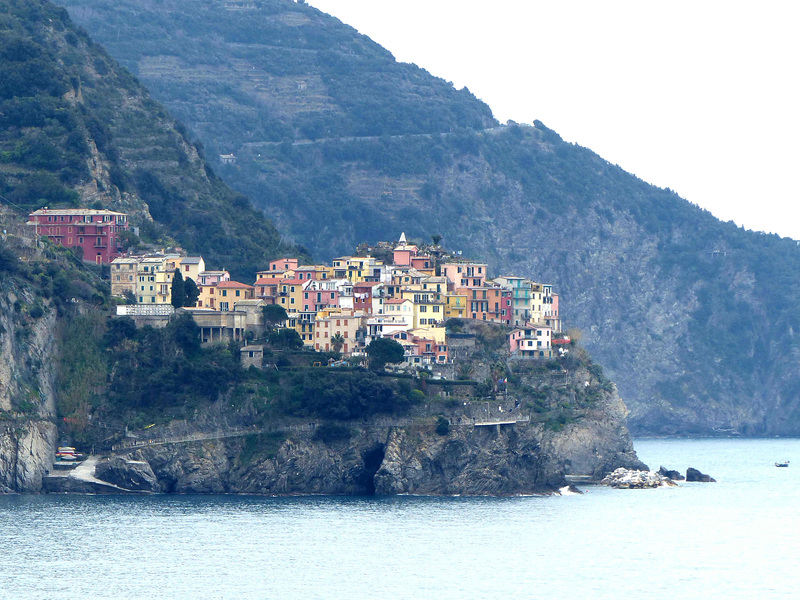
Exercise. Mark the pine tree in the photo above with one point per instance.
(178, 291)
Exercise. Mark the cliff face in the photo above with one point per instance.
(26, 454)
(510, 459)
(27, 389)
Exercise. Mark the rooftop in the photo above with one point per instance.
(76, 211)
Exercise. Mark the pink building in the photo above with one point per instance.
(95, 232)
(213, 277)
(465, 274)
(319, 295)
(531, 341)
(284, 264)
(423, 262)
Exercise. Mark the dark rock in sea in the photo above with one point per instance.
(129, 473)
(674, 475)
(695, 475)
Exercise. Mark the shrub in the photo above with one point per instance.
(332, 432)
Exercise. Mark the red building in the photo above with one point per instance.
(96, 232)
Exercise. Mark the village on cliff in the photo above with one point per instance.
(393, 290)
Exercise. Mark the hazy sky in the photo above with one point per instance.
(701, 97)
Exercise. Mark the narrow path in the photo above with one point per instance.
(85, 472)
(371, 138)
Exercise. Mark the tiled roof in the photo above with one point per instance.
(233, 284)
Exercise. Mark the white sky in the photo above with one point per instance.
(702, 97)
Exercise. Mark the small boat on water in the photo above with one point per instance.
(784, 463)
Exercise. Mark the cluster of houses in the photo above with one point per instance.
(338, 307)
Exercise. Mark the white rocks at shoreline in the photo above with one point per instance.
(631, 479)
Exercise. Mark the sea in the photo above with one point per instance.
(736, 538)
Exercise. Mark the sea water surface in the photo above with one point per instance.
(737, 538)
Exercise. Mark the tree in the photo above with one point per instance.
(178, 291)
(192, 292)
(127, 240)
(117, 330)
(436, 238)
(185, 334)
(288, 339)
(274, 314)
(382, 351)
(337, 341)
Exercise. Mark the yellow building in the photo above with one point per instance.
(290, 295)
(356, 268)
(431, 333)
(303, 323)
(153, 280)
(455, 306)
(428, 307)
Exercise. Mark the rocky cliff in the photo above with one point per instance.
(27, 387)
(411, 456)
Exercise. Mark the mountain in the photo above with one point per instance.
(337, 142)
(76, 129)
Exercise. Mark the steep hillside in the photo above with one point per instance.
(76, 129)
(695, 319)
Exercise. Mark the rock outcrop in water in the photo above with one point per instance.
(693, 474)
(635, 479)
(674, 475)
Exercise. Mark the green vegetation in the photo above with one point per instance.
(65, 103)
(382, 351)
(334, 395)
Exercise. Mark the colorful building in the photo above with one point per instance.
(465, 274)
(531, 341)
(95, 232)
